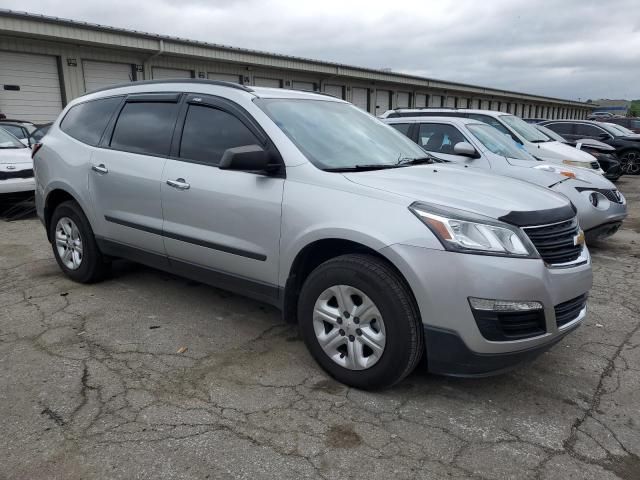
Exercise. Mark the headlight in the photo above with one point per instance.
(466, 232)
(577, 163)
(558, 170)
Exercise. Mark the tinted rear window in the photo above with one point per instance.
(86, 121)
(145, 127)
(402, 127)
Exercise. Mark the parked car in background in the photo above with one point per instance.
(39, 133)
(627, 144)
(599, 115)
(534, 120)
(605, 154)
(306, 202)
(16, 167)
(632, 124)
(524, 134)
(600, 206)
(20, 129)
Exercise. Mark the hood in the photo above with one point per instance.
(458, 187)
(630, 138)
(584, 177)
(15, 155)
(556, 151)
(595, 145)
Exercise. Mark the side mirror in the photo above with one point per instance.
(604, 136)
(465, 149)
(248, 158)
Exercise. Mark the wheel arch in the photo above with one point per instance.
(314, 254)
(57, 194)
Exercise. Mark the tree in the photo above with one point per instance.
(634, 109)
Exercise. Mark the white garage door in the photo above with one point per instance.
(267, 82)
(29, 87)
(310, 86)
(403, 99)
(168, 73)
(225, 77)
(463, 102)
(485, 105)
(504, 106)
(475, 103)
(335, 90)
(360, 98)
(421, 100)
(436, 101)
(104, 74)
(450, 102)
(383, 101)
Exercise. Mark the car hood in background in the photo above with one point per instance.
(458, 187)
(559, 151)
(630, 138)
(15, 155)
(594, 144)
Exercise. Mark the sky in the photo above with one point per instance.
(574, 49)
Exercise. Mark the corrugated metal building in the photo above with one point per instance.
(47, 61)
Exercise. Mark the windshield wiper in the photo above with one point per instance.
(364, 167)
(415, 161)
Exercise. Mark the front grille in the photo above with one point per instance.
(505, 326)
(556, 242)
(569, 310)
(612, 195)
(6, 175)
(595, 165)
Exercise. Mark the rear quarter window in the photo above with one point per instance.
(87, 121)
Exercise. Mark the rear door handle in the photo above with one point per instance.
(100, 168)
(179, 183)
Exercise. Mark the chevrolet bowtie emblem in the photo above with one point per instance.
(579, 238)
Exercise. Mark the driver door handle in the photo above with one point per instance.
(179, 183)
(100, 168)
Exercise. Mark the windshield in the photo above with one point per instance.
(525, 130)
(620, 128)
(550, 133)
(13, 130)
(612, 129)
(9, 141)
(498, 143)
(339, 135)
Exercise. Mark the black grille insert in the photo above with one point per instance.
(556, 242)
(569, 310)
(595, 165)
(505, 326)
(612, 195)
(7, 174)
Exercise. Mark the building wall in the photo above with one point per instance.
(144, 56)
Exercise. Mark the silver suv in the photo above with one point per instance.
(306, 202)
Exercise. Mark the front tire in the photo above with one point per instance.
(74, 245)
(360, 322)
(630, 161)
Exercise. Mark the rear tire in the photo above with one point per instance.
(630, 161)
(74, 245)
(339, 341)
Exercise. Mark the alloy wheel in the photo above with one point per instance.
(69, 243)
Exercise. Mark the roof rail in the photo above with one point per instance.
(202, 81)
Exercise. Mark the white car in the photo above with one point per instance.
(16, 166)
(601, 208)
(524, 134)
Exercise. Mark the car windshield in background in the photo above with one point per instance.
(550, 133)
(335, 135)
(498, 142)
(525, 130)
(9, 141)
(613, 129)
(14, 130)
(620, 128)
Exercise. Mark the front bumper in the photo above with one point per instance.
(589, 216)
(442, 282)
(17, 185)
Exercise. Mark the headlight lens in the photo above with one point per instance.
(558, 170)
(577, 163)
(466, 232)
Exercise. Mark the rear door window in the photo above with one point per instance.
(209, 131)
(561, 128)
(87, 121)
(585, 130)
(438, 137)
(145, 127)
